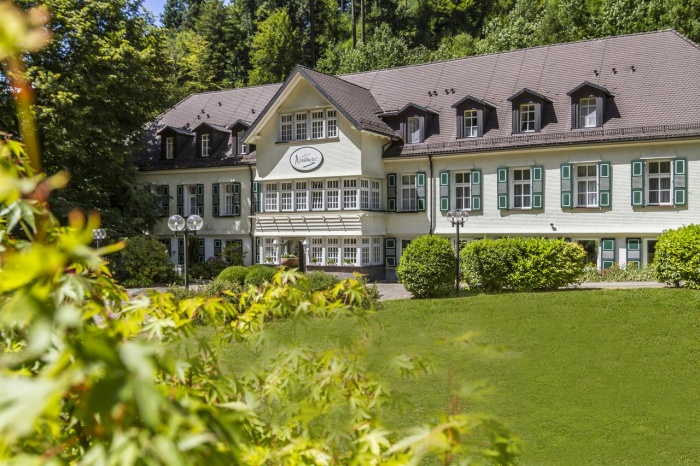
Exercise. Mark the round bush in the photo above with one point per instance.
(677, 257)
(321, 281)
(235, 274)
(143, 262)
(486, 264)
(259, 274)
(427, 267)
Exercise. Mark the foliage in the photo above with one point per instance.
(274, 51)
(259, 274)
(618, 273)
(522, 264)
(233, 254)
(677, 257)
(143, 262)
(208, 269)
(427, 267)
(235, 273)
(321, 281)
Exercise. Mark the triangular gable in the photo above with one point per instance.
(590, 85)
(473, 99)
(176, 130)
(531, 92)
(221, 129)
(407, 106)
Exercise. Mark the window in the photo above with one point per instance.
(408, 192)
(332, 254)
(651, 251)
(271, 197)
(376, 196)
(205, 145)
(413, 124)
(169, 147)
(463, 191)
(659, 183)
(333, 195)
(317, 195)
(350, 251)
(364, 259)
(376, 250)
(270, 251)
(301, 124)
(350, 194)
(318, 124)
(316, 251)
(521, 189)
(364, 195)
(191, 201)
(587, 112)
(286, 127)
(471, 125)
(332, 123)
(586, 186)
(242, 147)
(228, 199)
(527, 118)
(302, 196)
(286, 197)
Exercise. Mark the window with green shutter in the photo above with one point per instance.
(236, 199)
(537, 187)
(637, 183)
(604, 184)
(607, 255)
(680, 182)
(180, 199)
(444, 191)
(215, 202)
(566, 185)
(180, 251)
(634, 252)
(200, 249)
(258, 250)
(391, 192)
(200, 200)
(502, 188)
(476, 190)
(217, 248)
(390, 252)
(420, 191)
(257, 196)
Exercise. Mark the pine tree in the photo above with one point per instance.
(173, 14)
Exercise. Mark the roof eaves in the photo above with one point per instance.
(473, 99)
(591, 85)
(525, 90)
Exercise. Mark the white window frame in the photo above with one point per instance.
(242, 147)
(588, 179)
(301, 126)
(169, 147)
(413, 130)
(365, 251)
(333, 251)
(206, 147)
(587, 112)
(350, 252)
(317, 190)
(271, 196)
(376, 195)
(408, 201)
(286, 196)
(525, 183)
(286, 127)
(333, 200)
(658, 176)
(471, 123)
(350, 192)
(318, 124)
(365, 203)
(191, 200)
(270, 249)
(332, 123)
(228, 199)
(317, 251)
(377, 250)
(462, 190)
(301, 195)
(526, 118)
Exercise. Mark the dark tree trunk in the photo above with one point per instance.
(362, 18)
(354, 23)
(312, 32)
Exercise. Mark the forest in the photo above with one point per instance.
(112, 66)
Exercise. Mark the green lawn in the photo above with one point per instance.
(590, 376)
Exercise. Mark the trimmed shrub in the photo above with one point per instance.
(236, 274)
(677, 257)
(143, 262)
(321, 281)
(259, 274)
(618, 273)
(521, 264)
(427, 267)
(208, 269)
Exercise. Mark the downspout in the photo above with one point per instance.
(431, 217)
(252, 219)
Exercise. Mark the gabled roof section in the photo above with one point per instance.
(355, 103)
(407, 106)
(245, 123)
(525, 90)
(592, 86)
(473, 99)
(222, 129)
(174, 129)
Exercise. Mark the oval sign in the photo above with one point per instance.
(306, 159)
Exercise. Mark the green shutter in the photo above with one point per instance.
(256, 200)
(634, 252)
(566, 186)
(502, 188)
(475, 190)
(236, 199)
(164, 200)
(200, 249)
(390, 252)
(215, 199)
(607, 257)
(420, 191)
(537, 187)
(680, 182)
(217, 248)
(200, 200)
(258, 249)
(604, 185)
(180, 199)
(391, 192)
(637, 183)
(444, 191)
(180, 251)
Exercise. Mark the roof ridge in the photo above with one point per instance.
(593, 39)
(685, 38)
(336, 76)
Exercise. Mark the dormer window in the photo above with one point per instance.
(471, 124)
(588, 105)
(587, 112)
(413, 130)
(241, 147)
(169, 147)
(527, 118)
(472, 117)
(205, 145)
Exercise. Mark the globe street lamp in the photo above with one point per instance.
(457, 218)
(99, 234)
(178, 224)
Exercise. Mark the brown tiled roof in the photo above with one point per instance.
(652, 78)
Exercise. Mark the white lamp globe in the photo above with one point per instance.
(194, 222)
(176, 223)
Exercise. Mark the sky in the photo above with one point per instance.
(155, 6)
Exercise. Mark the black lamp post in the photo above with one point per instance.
(177, 224)
(457, 218)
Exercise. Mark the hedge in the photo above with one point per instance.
(427, 267)
(677, 257)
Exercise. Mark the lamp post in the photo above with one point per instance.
(193, 224)
(99, 234)
(457, 218)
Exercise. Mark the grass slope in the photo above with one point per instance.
(590, 376)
